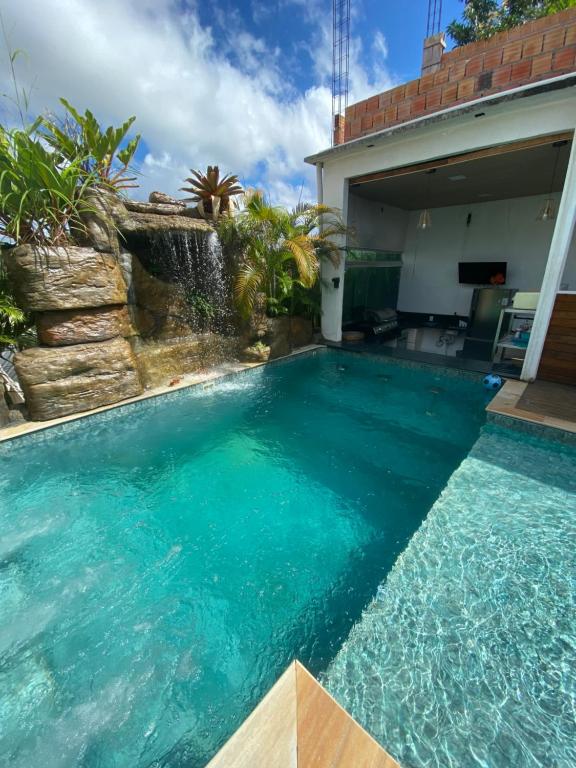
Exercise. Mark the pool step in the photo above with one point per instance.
(299, 725)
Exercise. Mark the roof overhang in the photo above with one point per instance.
(379, 137)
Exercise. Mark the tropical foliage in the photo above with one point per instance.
(105, 154)
(279, 252)
(210, 192)
(47, 167)
(15, 325)
(41, 196)
(483, 18)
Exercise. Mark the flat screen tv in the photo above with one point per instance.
(482, 272)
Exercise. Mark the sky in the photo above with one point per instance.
(244, 85)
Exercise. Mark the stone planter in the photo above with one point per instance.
(283, 334)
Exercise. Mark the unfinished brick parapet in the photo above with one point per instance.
(534, 51)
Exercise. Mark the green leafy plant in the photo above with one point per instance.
(200, 306)
(16, 327)
(104, 157)
(483, 18)
(211, 192)
(278, 250)
(41, 196)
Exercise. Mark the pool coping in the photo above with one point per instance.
(187, 381)
(504, 407)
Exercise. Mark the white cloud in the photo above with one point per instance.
(195, 105)
(379, 45)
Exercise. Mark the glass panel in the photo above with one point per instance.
(371, 282)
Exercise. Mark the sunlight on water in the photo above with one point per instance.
(467, 655)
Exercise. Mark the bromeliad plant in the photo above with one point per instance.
(279, 251)
(212, 193)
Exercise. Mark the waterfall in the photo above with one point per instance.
(194, 262)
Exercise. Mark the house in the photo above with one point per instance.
(462, 178)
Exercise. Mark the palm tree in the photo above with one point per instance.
(279, 250)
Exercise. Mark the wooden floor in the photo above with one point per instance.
(541, 402)
(299, 725)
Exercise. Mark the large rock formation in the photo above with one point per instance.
(60, 328)
(65, 380)
(79, 296)
(64, 278)
(89, 298)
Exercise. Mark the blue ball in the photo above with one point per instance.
(492, 382)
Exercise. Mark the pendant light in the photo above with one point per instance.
(425, 218)
(548, 209)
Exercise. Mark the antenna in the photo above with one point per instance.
(340, 58)
(434, 17)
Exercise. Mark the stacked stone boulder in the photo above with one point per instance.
(79, 297)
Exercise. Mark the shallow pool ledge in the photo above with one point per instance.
(299, 725)
(185, 381)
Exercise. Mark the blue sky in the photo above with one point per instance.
(244, 84)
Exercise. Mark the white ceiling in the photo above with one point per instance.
(514, 174)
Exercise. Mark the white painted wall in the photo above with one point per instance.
(503, 230)
(375, 225)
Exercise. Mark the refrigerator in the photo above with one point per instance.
(487, 303)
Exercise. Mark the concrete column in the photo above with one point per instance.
(433, 50)
(559, 247)
(319, 183)
(333, 286)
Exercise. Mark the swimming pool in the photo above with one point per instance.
(160, 564)
(466, 658)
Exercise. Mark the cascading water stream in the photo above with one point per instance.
(194, 262)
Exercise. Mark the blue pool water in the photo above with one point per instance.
(161, 564)
(466, 658)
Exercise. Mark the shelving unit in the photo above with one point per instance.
(505, 340)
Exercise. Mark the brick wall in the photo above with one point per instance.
(534, 51)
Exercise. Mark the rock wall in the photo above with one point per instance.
(108, 328)
(79, 296)
(59, 381)
(95, 304)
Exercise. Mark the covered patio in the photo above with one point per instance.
(470, 214)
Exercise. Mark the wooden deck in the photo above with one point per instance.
(542, 402)
(558, 361)
(299, 725)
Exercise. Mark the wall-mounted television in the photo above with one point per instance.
(482, 272)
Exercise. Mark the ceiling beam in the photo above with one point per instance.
(443, 162)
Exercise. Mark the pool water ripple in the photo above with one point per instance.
(467, 655)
